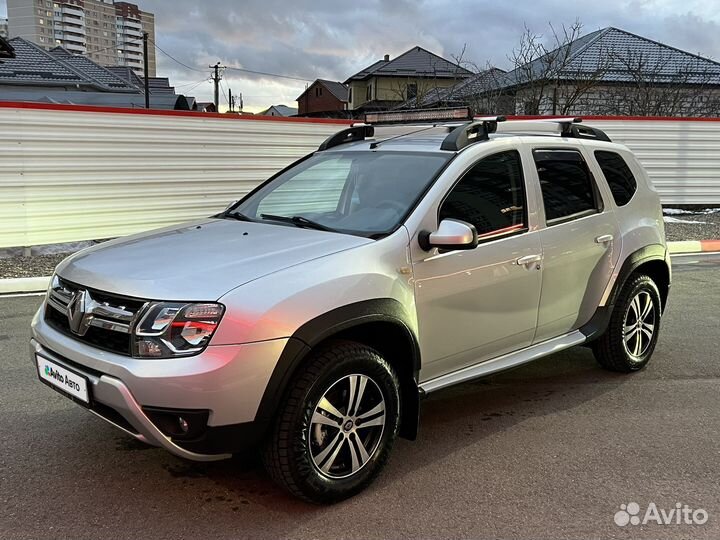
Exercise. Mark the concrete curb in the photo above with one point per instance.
(40, 284)
(23, 285)
(694, 246)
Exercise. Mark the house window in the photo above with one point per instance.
(368, 92)
(411, 91)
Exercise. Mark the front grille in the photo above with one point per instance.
(105, 320)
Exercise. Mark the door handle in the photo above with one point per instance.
(604, 239)
(528, 259)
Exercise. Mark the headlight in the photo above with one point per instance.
(169, 329)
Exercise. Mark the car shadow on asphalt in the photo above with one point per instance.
(451, 420)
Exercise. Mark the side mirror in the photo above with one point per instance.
(452, 234)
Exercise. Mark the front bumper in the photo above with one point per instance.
(226, 381)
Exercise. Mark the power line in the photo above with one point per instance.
(193, 84)
(269, 74)
(231, 68)
(133, 42)
(175, 59)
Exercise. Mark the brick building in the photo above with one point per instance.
(324, 98)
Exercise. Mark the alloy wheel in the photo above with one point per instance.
(347, 426)
(639, 324)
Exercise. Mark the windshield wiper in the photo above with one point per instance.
(299, 221)
(236, 215)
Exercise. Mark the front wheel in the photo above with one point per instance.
(336, 425)
(629, 341)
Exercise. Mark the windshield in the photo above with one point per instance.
(364, 193)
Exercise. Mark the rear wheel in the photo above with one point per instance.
(336, 425)
(629, 341)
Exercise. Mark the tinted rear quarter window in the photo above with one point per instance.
(566, 183)
(618, 175)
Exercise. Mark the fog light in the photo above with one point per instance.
(184, 427)
(146, 347)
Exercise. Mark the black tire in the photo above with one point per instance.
(296, 442)
(611, 350)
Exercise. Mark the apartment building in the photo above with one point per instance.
(107, 32)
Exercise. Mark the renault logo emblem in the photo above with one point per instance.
(78, 312)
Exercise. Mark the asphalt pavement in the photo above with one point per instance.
(549, 450)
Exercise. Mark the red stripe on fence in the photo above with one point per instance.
(160, 112)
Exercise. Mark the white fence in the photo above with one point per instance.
(682, 157)
(72, 173)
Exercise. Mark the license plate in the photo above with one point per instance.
(61, 378)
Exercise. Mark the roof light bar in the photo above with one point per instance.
(418, 115)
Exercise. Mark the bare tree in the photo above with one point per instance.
(544, 76)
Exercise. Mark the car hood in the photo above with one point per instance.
(202, 260)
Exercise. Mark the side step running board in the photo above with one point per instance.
(506, 361)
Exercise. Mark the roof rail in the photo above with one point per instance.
(472, 132)
(357, 132)
(568, 127)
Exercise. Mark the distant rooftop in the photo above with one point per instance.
(417, 62)
(34, 65)
(610, 51)
(279, 110)
(337, 89)
(58, 76)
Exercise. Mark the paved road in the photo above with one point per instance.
(550, 450)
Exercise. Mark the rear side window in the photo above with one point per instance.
(618, 175)
(491, 196)
(568, 188)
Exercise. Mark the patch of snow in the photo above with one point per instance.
(669, 219)
(678, 211)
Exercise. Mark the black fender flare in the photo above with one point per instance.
(599, 322)
(322, 327)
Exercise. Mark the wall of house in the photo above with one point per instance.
(606, 100)
(393, 88)
(310, 102)
(82, 173)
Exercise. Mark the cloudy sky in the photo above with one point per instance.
(333, 39)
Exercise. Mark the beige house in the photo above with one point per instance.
(412, 75)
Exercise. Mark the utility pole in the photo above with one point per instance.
(231, 103)
(216, 79)
(145, 68)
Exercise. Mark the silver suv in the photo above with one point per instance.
(310, 317)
